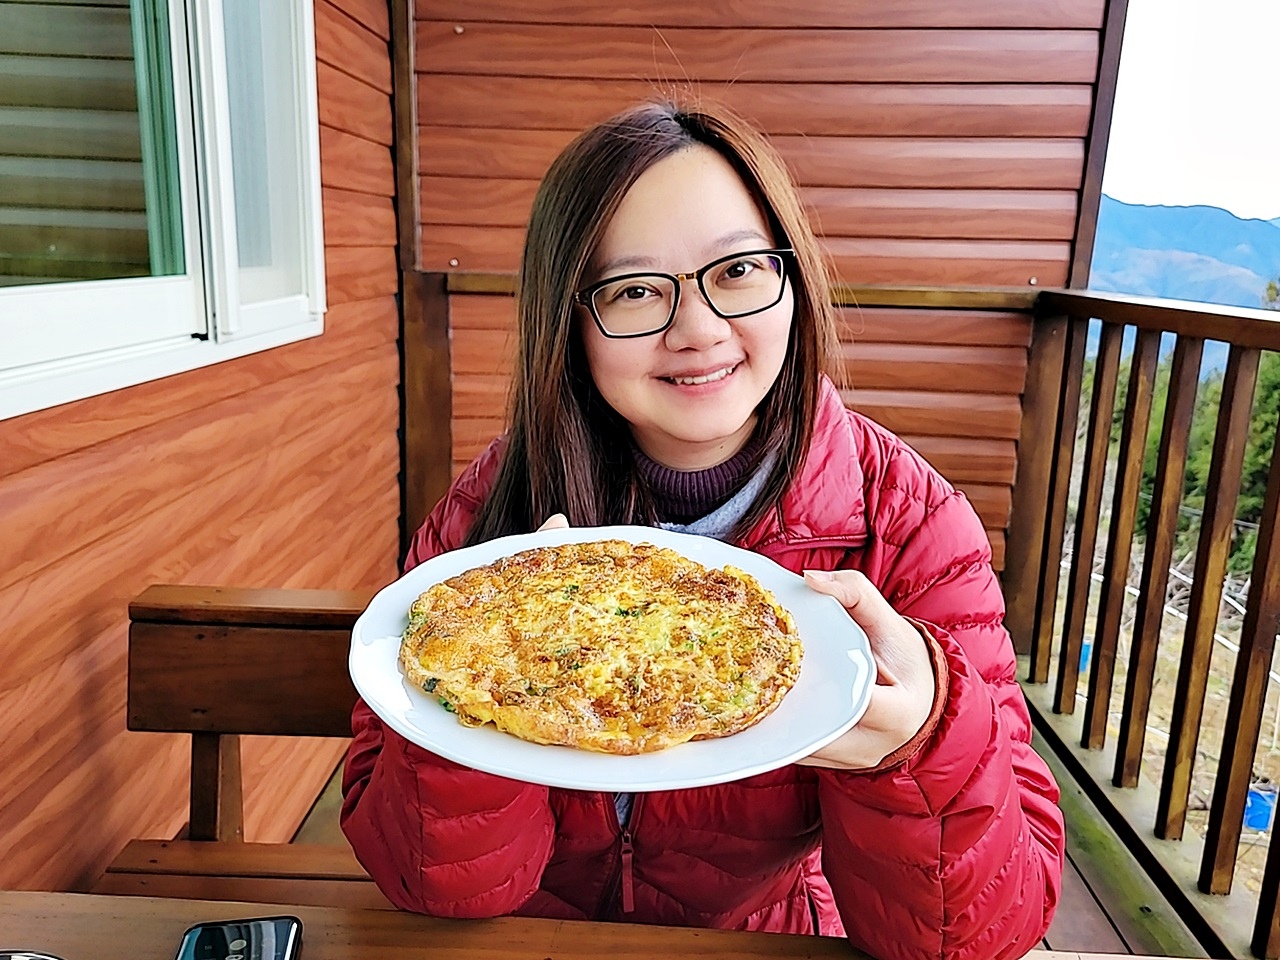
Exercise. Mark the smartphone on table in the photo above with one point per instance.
(255, 938)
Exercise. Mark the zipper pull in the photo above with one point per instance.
(628, 886)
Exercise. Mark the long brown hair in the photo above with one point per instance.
(567, 450)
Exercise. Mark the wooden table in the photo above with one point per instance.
(90, 927)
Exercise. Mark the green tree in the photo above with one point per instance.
(1271, 298)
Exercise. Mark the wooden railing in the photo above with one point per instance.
(1048, 610)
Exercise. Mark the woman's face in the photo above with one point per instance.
(690, 393)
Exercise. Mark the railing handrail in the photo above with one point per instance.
(1244, 326)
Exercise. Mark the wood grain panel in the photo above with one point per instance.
(980, 460)
(745, 13)
(1036, 164)
(847, 212)
(37, 501)
(885, 366)
(354, 163)
(838, 108)
(344, 43)
(977, 328)
(975, 214)
(349, 104)
(357, 219)
(373, 15)
(360, 273)
(60, 431)
(760, 55)
(942, 414)
(485, 352)
(482, 312)
(943, 263)
(971, 162)
(104, 764)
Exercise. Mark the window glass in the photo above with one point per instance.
(266, 150)
(89, 186)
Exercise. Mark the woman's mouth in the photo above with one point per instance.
(711, 377)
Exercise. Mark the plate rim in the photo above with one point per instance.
(857, 649)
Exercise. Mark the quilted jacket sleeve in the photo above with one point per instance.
(436, 837)
(958, 849)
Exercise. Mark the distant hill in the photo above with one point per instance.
(1188, 253)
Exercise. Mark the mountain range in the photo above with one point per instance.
(1196, 253)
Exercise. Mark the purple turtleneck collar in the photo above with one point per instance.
(680, 496)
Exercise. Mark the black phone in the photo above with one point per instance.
(255, 938)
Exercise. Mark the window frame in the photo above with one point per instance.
(132, 330)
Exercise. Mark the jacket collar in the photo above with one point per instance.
(825, 502)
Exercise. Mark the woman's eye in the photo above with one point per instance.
(632, 293)
(739, 269)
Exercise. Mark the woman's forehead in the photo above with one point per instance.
(687, 208)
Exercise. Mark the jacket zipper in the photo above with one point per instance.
(623, 882)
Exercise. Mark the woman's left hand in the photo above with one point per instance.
(904, 692)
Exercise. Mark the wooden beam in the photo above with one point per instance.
(404, 101)
(1248, 697)
(1049, 567)
(1216, 527)
(1104, 96)
(427, 409)
(1239, 326)
(1124, 512)
(217, 802)
(1162, 528)
(1041, 401)
(181, 603)
(1102, 405)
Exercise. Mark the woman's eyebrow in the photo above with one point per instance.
(722, 242)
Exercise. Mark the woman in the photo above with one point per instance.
(649, 389)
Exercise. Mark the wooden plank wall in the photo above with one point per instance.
(935, 144)
(278, 469)
(891, 356)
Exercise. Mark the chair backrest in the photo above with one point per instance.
(215, 662)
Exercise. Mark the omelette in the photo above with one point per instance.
(608, 646)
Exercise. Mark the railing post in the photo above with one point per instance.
(1214, 545)
(1162, 527)
(1248, 697)
(1041, 401)
(1124, 511)
(1105, 373)
(1049, 563)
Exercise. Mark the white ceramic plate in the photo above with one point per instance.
(831, 694)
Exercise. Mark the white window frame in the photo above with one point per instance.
(79, 339)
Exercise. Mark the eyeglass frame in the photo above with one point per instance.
(585, 297)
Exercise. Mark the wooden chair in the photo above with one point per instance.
(217, 663)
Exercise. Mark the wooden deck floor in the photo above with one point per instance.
(1096, 877)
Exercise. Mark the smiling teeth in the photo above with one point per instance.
(709, 378)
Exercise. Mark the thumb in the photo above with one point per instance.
(857, 595)
(557, 521)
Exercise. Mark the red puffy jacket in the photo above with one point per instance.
(954, 852)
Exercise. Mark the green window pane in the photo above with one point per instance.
(88, 151)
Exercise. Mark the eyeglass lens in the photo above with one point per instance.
(645, 303)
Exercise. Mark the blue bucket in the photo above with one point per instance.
(1260, 807)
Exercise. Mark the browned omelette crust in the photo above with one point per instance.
(608, 646)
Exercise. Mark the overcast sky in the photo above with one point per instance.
(1196, 116)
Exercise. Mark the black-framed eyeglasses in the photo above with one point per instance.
(642, 304)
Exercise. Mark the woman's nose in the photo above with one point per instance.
(695, 324)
